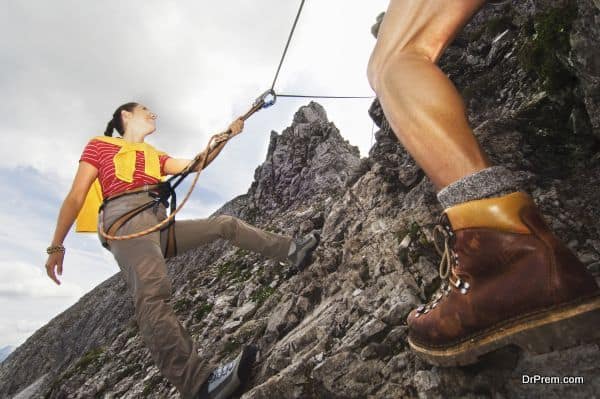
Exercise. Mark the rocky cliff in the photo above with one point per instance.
(530, 74)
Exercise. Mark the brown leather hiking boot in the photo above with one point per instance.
(509, 281)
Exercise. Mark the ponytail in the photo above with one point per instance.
(110, 126)
(116, 123)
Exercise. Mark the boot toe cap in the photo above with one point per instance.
(412, 316)
(423, 328)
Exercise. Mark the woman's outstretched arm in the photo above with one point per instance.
(85, 176)
(174, 165)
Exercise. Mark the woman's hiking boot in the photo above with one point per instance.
(301, 251)
(506, 280)
(224, 380)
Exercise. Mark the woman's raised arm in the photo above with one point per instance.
(175, 165)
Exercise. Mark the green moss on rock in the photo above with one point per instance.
(202, 311)
(262, 294)
(151, 384)
(182, 304)
(93, 357)
(547, 37)
(231, 346)
(233, 271)
(493, 27)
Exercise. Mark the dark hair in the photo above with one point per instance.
(117, 121)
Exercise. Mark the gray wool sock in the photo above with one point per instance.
(494, 181)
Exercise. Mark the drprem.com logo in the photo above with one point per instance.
(540, 379)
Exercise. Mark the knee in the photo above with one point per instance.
(383, 68)
(151, 293)
(374, 70)
(226, 226)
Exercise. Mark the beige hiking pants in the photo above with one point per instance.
(142, 264)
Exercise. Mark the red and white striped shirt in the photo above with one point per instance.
(101, 154)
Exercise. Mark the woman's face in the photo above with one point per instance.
(141, 119)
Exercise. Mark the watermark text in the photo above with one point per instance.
(542, 379)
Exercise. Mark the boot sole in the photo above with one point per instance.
(241, 374)
(295, 269)
(544, 332)
(307, 258)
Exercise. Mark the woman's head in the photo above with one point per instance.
(131, 116)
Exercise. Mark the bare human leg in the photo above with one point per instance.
(507, 279)
(422, 105)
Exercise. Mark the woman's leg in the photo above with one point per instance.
(422, 105)
(172, 349)
(193, 233)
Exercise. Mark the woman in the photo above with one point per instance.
(509, 280)
(124, 165)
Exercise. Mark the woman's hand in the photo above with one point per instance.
(236, 127)
(54, 265)
(219, 138)
(84, 178)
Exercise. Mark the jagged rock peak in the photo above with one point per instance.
(312, 112)
(309, 156)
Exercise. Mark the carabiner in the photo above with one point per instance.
(262, 99)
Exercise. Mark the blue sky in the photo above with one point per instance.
(66, 65)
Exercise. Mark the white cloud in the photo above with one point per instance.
(192, 63)
(24, 280)
(27, 326)
(14, 331)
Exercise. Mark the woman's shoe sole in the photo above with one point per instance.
(242, 372)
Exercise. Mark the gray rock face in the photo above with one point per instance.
(338, 329)
(309, 156)
(95, 320)
(585, 61)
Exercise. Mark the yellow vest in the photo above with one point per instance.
(124, 162)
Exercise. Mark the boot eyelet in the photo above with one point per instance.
(464, 287)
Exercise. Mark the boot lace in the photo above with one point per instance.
(443, 232)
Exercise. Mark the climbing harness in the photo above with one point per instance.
(164, 192)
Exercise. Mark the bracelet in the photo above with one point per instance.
(55, 248)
